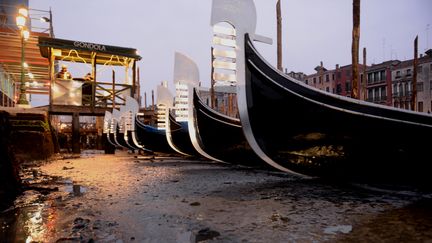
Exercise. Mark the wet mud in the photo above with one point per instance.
(125, 198)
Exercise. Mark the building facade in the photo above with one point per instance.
(402, 78)
(379, 82)
(336, 81)
(323, 79)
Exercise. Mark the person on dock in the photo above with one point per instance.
(64, 73)
(88, 77)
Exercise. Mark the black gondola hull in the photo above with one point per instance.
(222, 136)
(320, 134)
(179, 136)
(151, 138)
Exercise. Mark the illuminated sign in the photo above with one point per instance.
(90, 46)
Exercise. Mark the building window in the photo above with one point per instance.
(376, 76)
(420, 86)
(420, 106)
(370, 78)
(383, 75)
(314, 80)
(384, 93)
(327, 89)
(408, 72)
(419, 69)
(398, 74)
(333, 76)
(306, 81)
(338, 89)
(348, 86)
(327, 78)
(320, 79)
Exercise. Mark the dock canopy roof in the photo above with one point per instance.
(83, 51)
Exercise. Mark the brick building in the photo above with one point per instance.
(379, 82)
(402, 76)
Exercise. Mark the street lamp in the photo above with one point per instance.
(21, 20)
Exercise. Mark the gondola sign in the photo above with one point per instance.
(45, 43)
(90, 46)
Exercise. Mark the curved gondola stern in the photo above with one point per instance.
(168, 133)
(133, 113)
(106, 128)
(242, 15)
(116, 115)
(192, 126)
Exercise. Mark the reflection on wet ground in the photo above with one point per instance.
(34, 214)
(109, 198)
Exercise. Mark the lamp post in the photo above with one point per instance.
(21, 20)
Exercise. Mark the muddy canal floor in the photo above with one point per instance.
(121, 198)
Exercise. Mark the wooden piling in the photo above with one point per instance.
(355, 48)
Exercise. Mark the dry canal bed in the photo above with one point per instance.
(120, 198)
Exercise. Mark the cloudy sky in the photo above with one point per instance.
(313, 31)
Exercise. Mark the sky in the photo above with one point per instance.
(313, 31)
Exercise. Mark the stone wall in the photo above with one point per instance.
(9, 168)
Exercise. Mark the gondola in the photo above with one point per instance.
(220, 137)
(177, 134)
(113, 132)
(186, 76)
(151, 137)
(130, 125)
(106, 128)
(316, 133)
(308, 132)
(123, 127)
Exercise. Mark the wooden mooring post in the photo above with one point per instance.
(76, 147)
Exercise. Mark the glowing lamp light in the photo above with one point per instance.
(26, 34)
(25, 65)
(31, 75)
(23, 12)
(20, 21)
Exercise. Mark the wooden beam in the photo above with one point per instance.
(355, 48)
(279, 35)
(364, 75)
(113, 89)
(414, 80)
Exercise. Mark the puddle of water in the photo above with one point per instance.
(338, 229)
(31, 218)
(27, 224)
